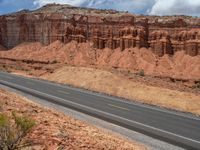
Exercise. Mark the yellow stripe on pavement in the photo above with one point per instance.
(115, 106)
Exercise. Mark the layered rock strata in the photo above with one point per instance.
(104, 28)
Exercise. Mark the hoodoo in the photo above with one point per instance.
(104, 28)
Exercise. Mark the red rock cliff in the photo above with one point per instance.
(103, 28)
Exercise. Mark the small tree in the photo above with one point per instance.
(13, 130)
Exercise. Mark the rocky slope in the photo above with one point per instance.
(178, 66)
(104, 28)
(54, 130)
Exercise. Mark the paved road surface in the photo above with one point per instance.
(177, 128)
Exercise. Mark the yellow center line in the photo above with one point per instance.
(118, 107)
(64, 92)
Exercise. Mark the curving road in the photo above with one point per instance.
(174, 127)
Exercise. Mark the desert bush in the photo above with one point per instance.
(141, 73)
(13, 131)
(198, 84)
(54, 62)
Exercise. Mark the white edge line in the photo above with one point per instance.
(104, 112)
(115, 98)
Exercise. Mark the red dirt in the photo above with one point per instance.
(179, 66)
(54, 130)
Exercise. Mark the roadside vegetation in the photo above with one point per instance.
(197, 85)
(13, 130)
(141, 73)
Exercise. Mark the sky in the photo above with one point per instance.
(147, 7)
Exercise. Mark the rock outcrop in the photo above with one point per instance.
(160, 43)
(177, 33)
(188, 41)
(104, 28)
(125, 38)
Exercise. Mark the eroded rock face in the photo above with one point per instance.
(160, 43)
(128, 37)
(189, 41)
(46, 27)
(103, 28)
(168, 35)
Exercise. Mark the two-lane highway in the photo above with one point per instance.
(177, 128)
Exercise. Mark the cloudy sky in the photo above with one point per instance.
(150, 7)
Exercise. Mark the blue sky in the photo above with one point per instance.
(150, 7)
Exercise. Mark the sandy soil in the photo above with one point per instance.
(180, 65)
(107, 82)
(54, 130)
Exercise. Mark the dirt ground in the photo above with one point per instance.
(55, 130)
(110, 83)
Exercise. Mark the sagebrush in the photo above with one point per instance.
(13, 131)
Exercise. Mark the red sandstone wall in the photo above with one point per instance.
(164, 35)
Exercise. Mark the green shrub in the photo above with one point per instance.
(141, 73)
(13, 131)
(197, 86)
(54, 62)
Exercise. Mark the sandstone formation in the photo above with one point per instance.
(178, 66)
(170, 34)
(104, 28)
(160, 43)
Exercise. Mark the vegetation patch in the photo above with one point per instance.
(141, 73)
(13, 131)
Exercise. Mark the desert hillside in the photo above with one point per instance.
(180, 65)
(112, 84)
(167, 46)
(54, 130)
(147, 54)
(152, 60)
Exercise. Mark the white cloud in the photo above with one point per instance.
(72, 2)
(176, 7)
(137, 6)
(152, 7)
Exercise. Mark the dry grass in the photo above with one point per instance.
(106, 82)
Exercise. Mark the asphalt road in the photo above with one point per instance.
(174, 127)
